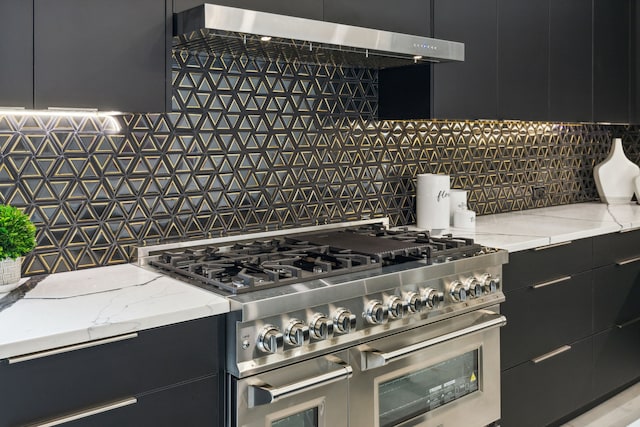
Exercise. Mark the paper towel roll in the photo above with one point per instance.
(432, 201)
(457, 200)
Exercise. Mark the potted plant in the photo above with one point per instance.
(17, 238)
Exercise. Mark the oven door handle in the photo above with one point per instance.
(262, 394)
(372, 359)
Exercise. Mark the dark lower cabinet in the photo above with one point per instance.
(103, 371)
(192, 404)
(616, 296)
(616, 357)
(536, 394)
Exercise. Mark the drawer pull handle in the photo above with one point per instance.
(630, 322)
(554, 245)
(40, 354)
(551, 282)
(551, 354)
(628, 261)
(84, 414)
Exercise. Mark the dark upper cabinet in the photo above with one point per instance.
(16, 47)
(635, 62)
(466, 90)
(523, 59)
(402, 16)
(570, 60)
(311, 9)
(110, 55)
(611, 61)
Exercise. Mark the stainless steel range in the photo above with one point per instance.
(353, 324)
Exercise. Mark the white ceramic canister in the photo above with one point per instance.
(457, 200)
(464, 218)
(432, 201)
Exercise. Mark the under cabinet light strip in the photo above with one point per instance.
(112, 124)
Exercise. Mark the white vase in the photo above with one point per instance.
(637, 183)
(615, 176)
(10, 274)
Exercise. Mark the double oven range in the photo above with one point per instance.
(353, 325)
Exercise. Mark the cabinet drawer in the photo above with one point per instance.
(616, 247)
(616, 356)
(547, 263)
(196, 403)
(535, 394)
(67, 382)
(616, 295)
(541, 319)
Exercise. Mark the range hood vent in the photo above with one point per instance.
(223, 30)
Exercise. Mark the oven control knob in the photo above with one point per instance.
(473, 287)
(489, 283)
(432, 298)
(414, 302)
(376, 313)
(296, 333)
(344, 321)
(458, 291)
(270, 339)
(320, 327)
(397, 308)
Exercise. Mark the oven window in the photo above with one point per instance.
(308, 418)
(413, 394)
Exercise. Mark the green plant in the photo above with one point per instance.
(17, 233)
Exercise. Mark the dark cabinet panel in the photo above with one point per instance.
(109, 55)
(466, 90)
(403, 16)
(536, 394)
(79, 379)
(196, 403)
(16, 53)
(635, 62)
(570, 61)
(611, 60)
(311, 9)
(548, 263)
(616, 295)
(543, 319)
(616, 356)
(616, 247)
(523, 59)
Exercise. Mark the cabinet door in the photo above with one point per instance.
(311, 9)
(611, 61)
(523, 59)
(466, 90)
(542, 319)
(74, 380)
(616, 296)
(16, 53)
(109, 55)
(616, 356)
(403, 16)
(536, 394)
(570, 62)
(616, 248)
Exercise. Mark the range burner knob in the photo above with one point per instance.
(320, 327)
(432, 298)
(473, 287)
(296, 333)
(458, 291)
(489, 283)
(376, 313)
(414, 302)
(344, 321)
(397, 307)
(270, 339)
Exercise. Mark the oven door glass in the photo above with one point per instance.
(424, 390)
(306, 418)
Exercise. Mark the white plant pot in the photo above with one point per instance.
(10, 274)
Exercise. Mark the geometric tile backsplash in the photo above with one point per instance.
(253, 145)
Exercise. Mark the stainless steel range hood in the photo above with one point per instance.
(227, 30)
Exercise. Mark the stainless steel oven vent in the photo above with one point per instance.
(237, 32)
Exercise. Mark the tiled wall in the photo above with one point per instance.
(253, 146)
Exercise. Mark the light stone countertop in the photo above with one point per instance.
(78, 306)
